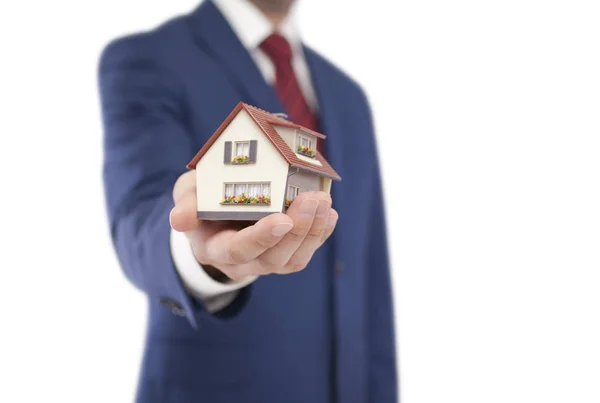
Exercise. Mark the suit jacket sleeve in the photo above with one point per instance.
(146, 148)
(381, 347)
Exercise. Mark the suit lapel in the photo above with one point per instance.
(328, 115)
(214, 35)
(330, 118)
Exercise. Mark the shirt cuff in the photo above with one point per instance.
(214, 294)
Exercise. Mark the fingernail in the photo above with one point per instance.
(281, 229)
(323, 209)
(309, 207)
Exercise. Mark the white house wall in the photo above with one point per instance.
(288, 135)
(211, 172)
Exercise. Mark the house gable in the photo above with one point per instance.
(266, 122)
(213, 171)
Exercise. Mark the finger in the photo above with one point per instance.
(302, 212)
(300, 258)
(331, 223)
(184, 184)
(240, 247)
(183, 217)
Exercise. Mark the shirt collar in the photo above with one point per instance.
(252, 27)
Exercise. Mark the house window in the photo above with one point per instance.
(291, 194)
(304, 146)
(242, 148)
(254, 189)
(247, 193)
(304, 141)
(229, 190)
(240, 189)
(241, 152)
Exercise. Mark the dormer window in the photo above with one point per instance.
(305, 145)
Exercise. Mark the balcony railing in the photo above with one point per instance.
(309, 152)
(240, 159)
(242, 199)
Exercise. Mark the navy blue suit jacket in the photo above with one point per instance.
(322, 335)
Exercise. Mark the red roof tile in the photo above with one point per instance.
(287, 123)
(265, 120)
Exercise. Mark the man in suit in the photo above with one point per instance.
(319, 328)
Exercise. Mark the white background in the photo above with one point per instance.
(488, 116)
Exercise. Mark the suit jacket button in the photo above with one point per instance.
(178, 311)
(175, 308)
(338, 267)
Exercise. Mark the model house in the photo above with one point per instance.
(255, 164)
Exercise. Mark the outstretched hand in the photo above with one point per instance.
(279, 243)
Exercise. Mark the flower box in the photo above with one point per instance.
(309, 152)
(250, 200)
(240, 159)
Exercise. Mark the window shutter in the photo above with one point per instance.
(227, 157)
(252, 156)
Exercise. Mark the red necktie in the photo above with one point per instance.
(286, 84)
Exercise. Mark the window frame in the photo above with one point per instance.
(246, 184)
(235, 148)
(297, 191)
(300, 137)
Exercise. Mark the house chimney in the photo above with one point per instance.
(281, 115)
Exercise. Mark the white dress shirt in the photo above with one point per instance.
(251, 28)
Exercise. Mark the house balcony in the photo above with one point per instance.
(307, 152)
(242, 199)
(240, 159)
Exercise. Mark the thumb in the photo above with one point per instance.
(183, 216)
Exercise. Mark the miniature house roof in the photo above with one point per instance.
(265, 121)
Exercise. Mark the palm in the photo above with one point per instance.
(279, 243)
